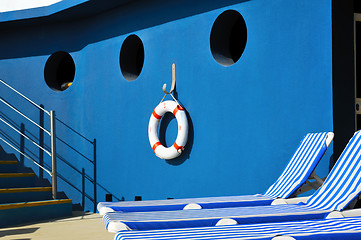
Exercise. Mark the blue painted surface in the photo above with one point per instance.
(246, 120)
(17, 182)
(15, 216)
(25, 197)
(8, 168)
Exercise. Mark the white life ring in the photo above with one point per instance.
(176, 149)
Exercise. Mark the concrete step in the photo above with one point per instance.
(17, 180)
(13, 195)
(8, 166)
(25, 212)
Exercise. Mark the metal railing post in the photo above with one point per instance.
(83, 189)
(22, 144)
(95, 174)
(43, 148)
(41, 142)
(53, 154)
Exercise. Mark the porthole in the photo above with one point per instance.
(228, 37)
(59, 71)
(131, 57)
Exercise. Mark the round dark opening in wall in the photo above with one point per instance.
(228, 37)
(131, 57)
(59, 71)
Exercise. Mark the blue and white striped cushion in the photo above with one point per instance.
(342, 228)
(343, 183)
(179, 204)
(299, 168)
(301, 165)
(209, 217)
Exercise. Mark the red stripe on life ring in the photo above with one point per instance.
(176, 109)
(175, 145)
(156, 145)
(156, 115)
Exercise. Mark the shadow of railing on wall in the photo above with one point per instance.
(38, 159)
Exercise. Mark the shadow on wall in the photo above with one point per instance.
(332, 163)
(60, 32)
(7, 156)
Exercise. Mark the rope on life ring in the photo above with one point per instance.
(176, 149)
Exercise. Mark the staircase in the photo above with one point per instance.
(24, 197)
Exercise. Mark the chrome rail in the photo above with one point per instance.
(35, 162)
(27, 99)
(52, 134)
(51, 151)
(25, 136)
(53, 154)
(23, 115)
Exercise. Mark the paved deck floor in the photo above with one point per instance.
(81, 225)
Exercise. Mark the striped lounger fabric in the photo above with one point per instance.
(298, 170)
(339, 189)
(330, 229)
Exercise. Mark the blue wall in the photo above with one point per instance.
(245, 120)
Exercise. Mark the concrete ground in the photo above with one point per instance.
(80, 226)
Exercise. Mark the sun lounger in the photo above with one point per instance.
(326, 229)
(299, 169)
(339, 189)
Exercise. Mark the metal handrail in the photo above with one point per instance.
(52, 134)
(52, 150)
(54, 181)
(22, 114)
(14, 124)
(46, 170)
(86, 176)
(27, 99)
(25, 136)
(85, 157)
(47, 148)
(66, 125)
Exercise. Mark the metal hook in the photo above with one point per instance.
(173, 82)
